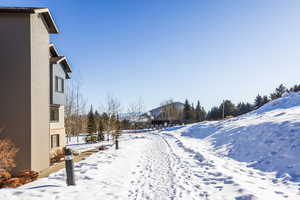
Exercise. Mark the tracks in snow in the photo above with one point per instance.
(154, 176)
(161, 174)
(169, 170)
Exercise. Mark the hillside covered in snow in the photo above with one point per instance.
(267, 139)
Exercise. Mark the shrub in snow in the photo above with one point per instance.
(57, 156)
(8, 153)
(23, 177)
(102, 148)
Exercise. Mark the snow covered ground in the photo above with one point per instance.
(251, 157)
(267, 139)
(158, 166)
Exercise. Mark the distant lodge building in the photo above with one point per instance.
(164, 122)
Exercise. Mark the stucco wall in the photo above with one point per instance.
(59, 128)
(61, 123)
(15, 79)
(40, 92)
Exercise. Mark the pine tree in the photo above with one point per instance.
(187, 112)
(91, 124)
(214, 114)
(296, 88)
(249, 107)
(203, 114)
(97, 117)
(100, 129)
(258, 102)
(265, 100)
(278, 92)
(229, 108)
(198, 112)
(106, 121)
(243, 108)
(193, 114)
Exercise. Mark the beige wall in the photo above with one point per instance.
(61, 122)
(15, 87)
(40, 93)
(24, 86)
(59, 128)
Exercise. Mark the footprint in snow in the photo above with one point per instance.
(246, 197)
(219, 187)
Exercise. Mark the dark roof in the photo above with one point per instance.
(45, 13)
(56, 60)
(53, 50)
(64, 63)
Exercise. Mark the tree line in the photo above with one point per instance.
(229, 109)
(108, 121)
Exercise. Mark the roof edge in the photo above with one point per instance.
(44, 12)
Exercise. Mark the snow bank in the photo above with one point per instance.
(267, 139)
(288, 100)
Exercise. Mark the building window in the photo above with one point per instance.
(54, 113)
(59, 84)
(54, 141)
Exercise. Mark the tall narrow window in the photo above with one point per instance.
(54, 140)
(59, 84)
(54, 113)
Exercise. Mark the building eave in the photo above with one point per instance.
(44, 12)
(53, 50)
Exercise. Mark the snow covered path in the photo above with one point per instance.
(159, 166)
(170, 170)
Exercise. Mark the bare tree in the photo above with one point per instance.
(75, 120)
(136, 110)
(112, 110)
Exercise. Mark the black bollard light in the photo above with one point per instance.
(69, 166)
(117, 143)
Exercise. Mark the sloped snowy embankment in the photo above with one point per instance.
(267, 139)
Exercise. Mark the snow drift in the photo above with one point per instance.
(267, 138)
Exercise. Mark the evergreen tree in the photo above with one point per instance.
(243, 108)
(249, 107)
(198, 112)
(258, 102)
(106, 121)
(97, 117)
(265, 99)
(187, 112)
(91, 124)
(214, 114)
(229, 108)
(125, 124)
(202, 114)
(193, 113)
(296, 88)
(278, 92)
(100, 129)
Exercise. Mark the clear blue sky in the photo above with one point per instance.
(161, 49)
